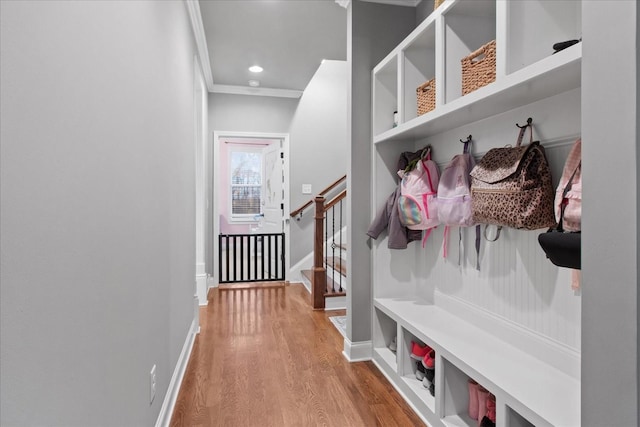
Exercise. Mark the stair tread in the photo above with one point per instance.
(333, 284)
(338, 264)
(330, 284)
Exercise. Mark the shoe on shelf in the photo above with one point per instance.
(486, 422)
(429, 360)
(419, 351)
(419, 371)
(491, 409)
(393, 346)
(483, 396)
(429, 374)
(426, 383)
(473, 399)
(432, 389)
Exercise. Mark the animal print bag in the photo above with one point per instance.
(511, 186)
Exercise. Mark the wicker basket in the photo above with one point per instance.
(426, 96)
(479, 72)
(437, 3)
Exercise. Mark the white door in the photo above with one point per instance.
(273, 209)
(272, 202)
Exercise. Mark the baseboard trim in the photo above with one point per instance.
(360, 351)
(202, 289)
(164, 418)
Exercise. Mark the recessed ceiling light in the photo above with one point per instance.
(254, 83)
(255, 69)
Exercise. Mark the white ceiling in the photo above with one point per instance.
(288, 38)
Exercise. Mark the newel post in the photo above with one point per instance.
(319, 285)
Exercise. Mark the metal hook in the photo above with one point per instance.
(529, 121)
(468, 140)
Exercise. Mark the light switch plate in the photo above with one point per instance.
(306, 188)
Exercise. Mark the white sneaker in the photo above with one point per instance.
(393, 346)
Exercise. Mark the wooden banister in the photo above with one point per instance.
(322, 193)
(335, 200)
(319, 285)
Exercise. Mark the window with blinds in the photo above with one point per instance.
(246, 183)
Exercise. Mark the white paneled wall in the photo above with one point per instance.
(516, 283)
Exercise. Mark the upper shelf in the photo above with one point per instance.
(525, 68)
(552, 75)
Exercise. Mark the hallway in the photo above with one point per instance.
(264, 358)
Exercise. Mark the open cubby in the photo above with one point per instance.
(535, 26)
(419, 67)
(385, 94)
(408, 367)
(455, 395)
(468, 25)
(385, 329)
(514, 419)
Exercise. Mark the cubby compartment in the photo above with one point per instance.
(408, 368)
(385, 95)
(455, 397)
(514, 419)
(385, 331)
(535, 26)
(419, 66)
(468, 25)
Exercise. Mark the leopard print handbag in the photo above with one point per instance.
(511, 186)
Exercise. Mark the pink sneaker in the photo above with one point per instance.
(491, 408)
(429, 360)
(418, 351)
(473, 399)
(483, 396)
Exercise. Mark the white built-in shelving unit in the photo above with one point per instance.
(514, 325)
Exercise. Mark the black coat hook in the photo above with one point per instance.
(529, 121)
(467, 140)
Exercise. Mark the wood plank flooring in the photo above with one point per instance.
(265, 358)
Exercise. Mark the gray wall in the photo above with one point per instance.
(97, 208)
(610, 254)
(319, 147)
(375, 30)
(241, 113)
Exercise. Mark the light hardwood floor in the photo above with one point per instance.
(264, 358)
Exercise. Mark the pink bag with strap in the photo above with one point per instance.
(418, 203)
(569, 191)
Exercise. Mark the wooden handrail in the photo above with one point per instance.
(335, 200)
(322, 193)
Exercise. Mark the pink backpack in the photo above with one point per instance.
(568, 201)
(418, 202)
(454, 196)
(454, 191)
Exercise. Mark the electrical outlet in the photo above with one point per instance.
(152, 384)
(306, 188)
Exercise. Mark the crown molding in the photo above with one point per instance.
(256, 91)
(193, 7)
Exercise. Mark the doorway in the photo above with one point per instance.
(250, 205)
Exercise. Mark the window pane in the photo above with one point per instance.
(246, 168)
(245, 200)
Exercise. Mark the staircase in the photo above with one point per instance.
(328, 277)
(335, 295)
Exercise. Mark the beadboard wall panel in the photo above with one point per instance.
(516, 283)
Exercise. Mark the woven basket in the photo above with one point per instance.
(479, 72)
(437, 3)
(426, 96)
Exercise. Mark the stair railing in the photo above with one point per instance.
(322, 242)
(298, 212)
